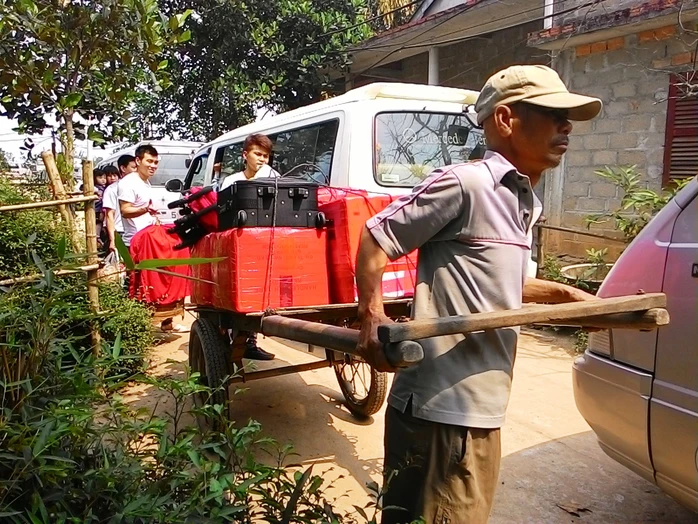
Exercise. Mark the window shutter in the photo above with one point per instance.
(681, 144)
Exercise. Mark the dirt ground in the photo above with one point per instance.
(552, 470)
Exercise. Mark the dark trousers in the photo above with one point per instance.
(444, 474)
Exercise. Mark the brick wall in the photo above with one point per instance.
(468, 64)
(631, 75)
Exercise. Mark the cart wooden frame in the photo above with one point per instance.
(214, 358)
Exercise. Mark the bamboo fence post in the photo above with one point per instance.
(541, 247)
(59, 193)
(91, 244)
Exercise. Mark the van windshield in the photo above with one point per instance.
(172, 165)
(410, 145)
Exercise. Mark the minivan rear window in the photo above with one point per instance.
(410, 145)
(172, 165)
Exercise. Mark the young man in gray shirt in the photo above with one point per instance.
(471, 223)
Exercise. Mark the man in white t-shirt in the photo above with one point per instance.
(110, 200)
(256, 151)
(134, 194)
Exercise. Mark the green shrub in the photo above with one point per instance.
(43, 328)
(638, 205)
(129, 319)
(551, 269)
(41, 225)
(72, 451)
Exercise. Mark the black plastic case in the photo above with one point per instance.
(269, 202)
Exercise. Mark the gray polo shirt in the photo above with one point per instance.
(471, 223)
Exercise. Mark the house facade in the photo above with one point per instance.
(639, 57)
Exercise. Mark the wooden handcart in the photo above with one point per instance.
(217, 339)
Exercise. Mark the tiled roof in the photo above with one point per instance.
(638, 13)
(467, 4)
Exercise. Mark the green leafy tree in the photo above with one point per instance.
(244, 56)
(81, 58)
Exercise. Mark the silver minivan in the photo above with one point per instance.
(639, 390)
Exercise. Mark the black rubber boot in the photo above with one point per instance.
(254, 352)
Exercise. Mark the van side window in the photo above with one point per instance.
(231, 160)
(197, 171)
(306, 152)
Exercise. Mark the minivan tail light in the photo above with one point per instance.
(601, 342)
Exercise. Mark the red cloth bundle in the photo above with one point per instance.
(153, 287)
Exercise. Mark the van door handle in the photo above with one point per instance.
(694, 271)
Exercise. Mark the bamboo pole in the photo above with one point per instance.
(583, 233)
(91, 244)
(56, 185)
(48, 203)
(37, 276)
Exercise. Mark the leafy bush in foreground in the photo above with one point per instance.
(71, 450)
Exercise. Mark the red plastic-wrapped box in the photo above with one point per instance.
(264, 267)
(202, 292)
(348, 210)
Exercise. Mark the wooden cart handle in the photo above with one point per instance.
(402, 354)
(591, 313)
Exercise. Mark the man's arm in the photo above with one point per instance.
(129, 210)
(111, 228)
(371, 261)
(435, 207)
(548, 292)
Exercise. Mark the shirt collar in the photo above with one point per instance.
(499, 166)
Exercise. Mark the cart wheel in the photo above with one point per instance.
(363, 387)
(209, 355)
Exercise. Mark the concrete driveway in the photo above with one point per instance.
(552, 469)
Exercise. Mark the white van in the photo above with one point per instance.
(174, 162)
(382, 137)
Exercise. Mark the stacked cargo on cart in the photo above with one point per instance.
(347, 211)
(273, 245)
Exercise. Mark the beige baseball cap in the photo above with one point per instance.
(533, 84)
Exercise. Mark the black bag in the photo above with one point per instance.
(269, 202)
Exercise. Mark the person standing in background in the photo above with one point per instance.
(110, 205)
(100, 183)
(126, 165)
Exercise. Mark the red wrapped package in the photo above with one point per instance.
(202, 292)
(152, 287)
(348, 210)
(264, 267)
